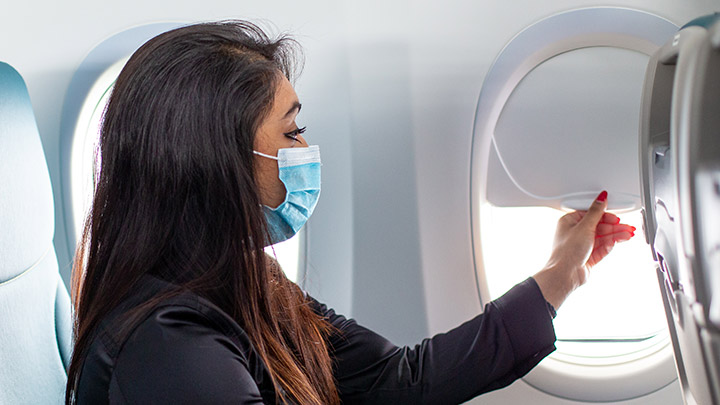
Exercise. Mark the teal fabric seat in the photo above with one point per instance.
(35, 311)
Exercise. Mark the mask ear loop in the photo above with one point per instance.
(264, 155)
(267, 156)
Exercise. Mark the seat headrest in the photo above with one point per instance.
(26, 202)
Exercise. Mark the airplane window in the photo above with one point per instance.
(85, 159)
(622, 302)
(560, 96)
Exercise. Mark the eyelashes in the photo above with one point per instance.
(294, 133)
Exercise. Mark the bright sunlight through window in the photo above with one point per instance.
(621, 301)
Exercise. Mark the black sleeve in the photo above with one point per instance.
(178, 356)
(488, 352)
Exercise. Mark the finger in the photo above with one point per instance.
(604, 245)
(603, 229)
(596, 211)
(602, 248)
(606, 229)
(609, 218)
(622, 236)
(613, 238)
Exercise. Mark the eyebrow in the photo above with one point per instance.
(296, 106)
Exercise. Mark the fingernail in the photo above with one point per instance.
(602, 196)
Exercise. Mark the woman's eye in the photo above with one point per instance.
(294, 133)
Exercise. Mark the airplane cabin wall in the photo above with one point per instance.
(389, 91)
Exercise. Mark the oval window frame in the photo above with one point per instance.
(631, 376)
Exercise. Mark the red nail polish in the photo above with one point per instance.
(602, 196)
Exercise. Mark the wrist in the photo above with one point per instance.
(556, 284)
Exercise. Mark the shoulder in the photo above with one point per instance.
(182, 353)
(183, 350)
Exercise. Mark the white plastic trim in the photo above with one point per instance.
(83, 144)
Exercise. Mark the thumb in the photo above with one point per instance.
(596, 211)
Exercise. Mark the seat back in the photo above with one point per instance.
(680, 165)
(35, 316)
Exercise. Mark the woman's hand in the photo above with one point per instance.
(582, 239)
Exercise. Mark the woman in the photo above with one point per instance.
(176, 301)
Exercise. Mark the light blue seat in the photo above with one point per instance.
(35, 316)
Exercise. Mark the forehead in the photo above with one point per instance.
(285, 98)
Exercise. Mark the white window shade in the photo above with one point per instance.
(570, 130)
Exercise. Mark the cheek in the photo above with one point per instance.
(272, 190)
(267, 172)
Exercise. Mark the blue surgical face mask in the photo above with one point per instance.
(299, 170)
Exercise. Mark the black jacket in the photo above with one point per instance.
(187, 350)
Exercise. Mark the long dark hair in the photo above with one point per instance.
(176, 197)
